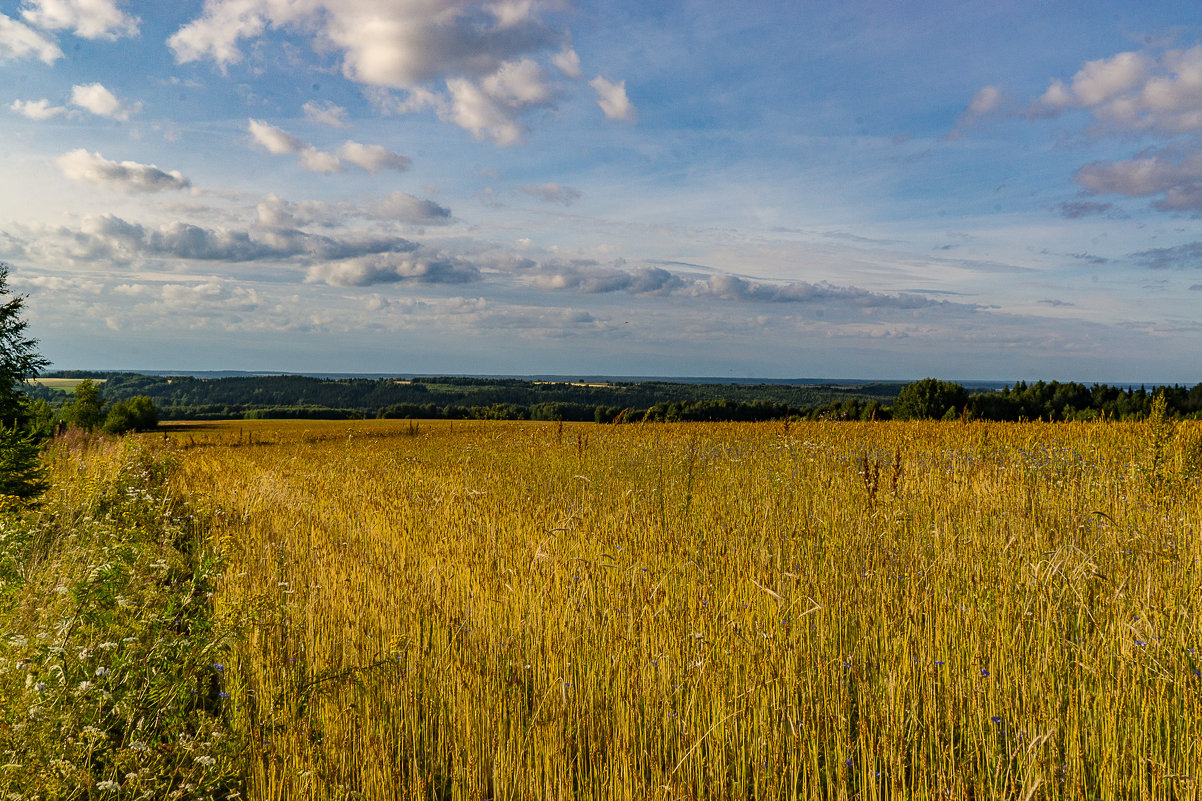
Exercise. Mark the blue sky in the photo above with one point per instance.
(874, 190)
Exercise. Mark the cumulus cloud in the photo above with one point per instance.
(37, 109)
(124, 176)
(275, 212)
(315, 160)
(1175, 175)
(589, 277)
(397, 45)
(390, 268)
(373, 157)
(275, 140)
(1098, 84)
(119, 240)
(1134, 93)
(567, 62)
(90, 19)
(731, 287)
(19, 41)
(279, 142)
(611, 97)
(94, 97)
(478, 63)
(490, 108)
(404, 207)
(367, 157)
(326, 113)
(551, 193)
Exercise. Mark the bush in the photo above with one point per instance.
(135, 414)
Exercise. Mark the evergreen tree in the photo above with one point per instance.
(20, 471)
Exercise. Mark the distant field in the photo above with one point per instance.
(67, 385)
(812, 611)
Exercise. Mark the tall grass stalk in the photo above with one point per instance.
(712, 611)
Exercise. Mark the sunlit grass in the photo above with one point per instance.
(712, 611)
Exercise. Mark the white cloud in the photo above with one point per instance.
(1178, 177)
(18, 41)
(474, 110)
(519, 84)
(612, 99)
(373, 157)
(404, 207)
(1099, 81)
(391, 268)
(1135, 92)
(398, 44)
(276, 140)
(491, 108)
(125, 176)
(280, 142)
(478, 63)
(326, 113)
(1143, 93)
(37, 109)
(94, 97)
(315, 160)
(275, 212)
(90, 19)
(567, 62)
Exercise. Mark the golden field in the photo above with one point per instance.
(476, 610)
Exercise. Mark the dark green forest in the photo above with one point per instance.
(291, 396)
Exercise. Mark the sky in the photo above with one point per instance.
(879, 190)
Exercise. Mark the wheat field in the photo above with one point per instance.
(812, 611)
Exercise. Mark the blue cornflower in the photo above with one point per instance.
(995, 719)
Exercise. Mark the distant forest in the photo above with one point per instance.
(289, 396)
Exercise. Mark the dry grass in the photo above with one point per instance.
(526, 611)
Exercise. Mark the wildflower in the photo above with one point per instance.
(218, 667)
(995, 719)
(108, 786)
(207, 761)
(102, 671)
(984, 672)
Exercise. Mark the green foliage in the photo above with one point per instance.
(86, 411)
(136, 414)
(112, 678)
(930, 399)
(20, 471)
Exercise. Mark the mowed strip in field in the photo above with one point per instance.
(502, 610)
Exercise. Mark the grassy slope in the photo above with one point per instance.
(111, 682)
